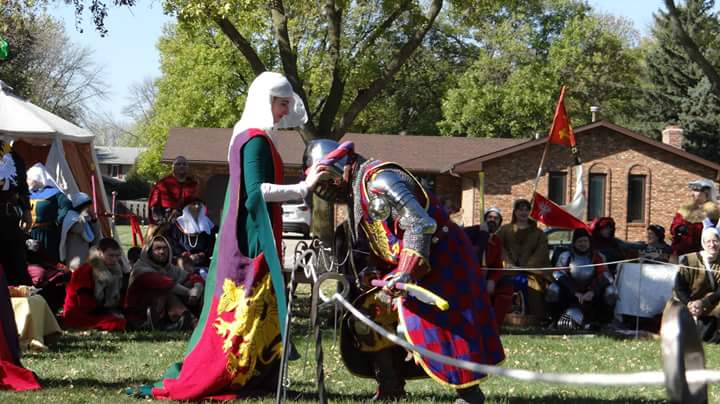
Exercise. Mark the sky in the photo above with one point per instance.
(129, 51)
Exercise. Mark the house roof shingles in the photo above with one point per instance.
(432, 154)
(118, 155)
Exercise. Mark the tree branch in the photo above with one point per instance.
(289, 61)
(380, 29)
(241, 43)
(691, 47)
(364, 96)
(332, 102)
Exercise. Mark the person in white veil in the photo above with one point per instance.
(193, 237)
(48, 207)
(226, 360)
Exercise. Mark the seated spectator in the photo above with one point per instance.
(656, 248)
(697, 285)
(50, 276)
(94, 297)
(193, 235)
(525, 246)
(605, 242)
(159, 292)
(79, 231)
(133, 255)
(35, 322)
(584, 292)
(48, 208)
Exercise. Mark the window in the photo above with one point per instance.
(636, 199)
(596, 196)
(115, 170)
(557, 186)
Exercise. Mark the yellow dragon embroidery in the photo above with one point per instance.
(254, 327)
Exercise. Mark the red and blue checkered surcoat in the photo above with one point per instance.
(467, 330)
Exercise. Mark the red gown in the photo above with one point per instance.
(12, 375)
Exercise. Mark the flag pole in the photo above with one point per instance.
(539, 172)
(547, 145)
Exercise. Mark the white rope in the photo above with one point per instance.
(646, 260)
(595, 379)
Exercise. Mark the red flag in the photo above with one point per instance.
(549, 213)
(561, 133)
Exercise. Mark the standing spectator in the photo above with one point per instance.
(79, 231)
(585, 286)
(604, 241)
(14, 208)
(526, 246)
(656, 248)
(158, 295)
(686, 226)
(697, 285)
(171, 192)
(49, 205)
(490, 255)
(193, 236)
(94, 297)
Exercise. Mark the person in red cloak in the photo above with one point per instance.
(170, 193)
(687, 226)
(489, 249)
(93, 296)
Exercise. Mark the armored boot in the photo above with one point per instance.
(470, 395)
(391, 385)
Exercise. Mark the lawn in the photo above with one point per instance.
(95, 367)
(125, 235)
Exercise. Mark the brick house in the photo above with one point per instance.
(628, 176)
(426, 156)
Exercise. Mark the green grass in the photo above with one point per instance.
(125, 236)
(97, 367)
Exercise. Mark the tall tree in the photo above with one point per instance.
(46, 67)
(338, 55)
(680, 90)
(528, 55)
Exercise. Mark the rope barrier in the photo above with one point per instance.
(630, 260)
(594, 379)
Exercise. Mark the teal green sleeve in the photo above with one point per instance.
(64, 205)
(257, 168)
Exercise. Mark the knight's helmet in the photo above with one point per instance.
(329, 187)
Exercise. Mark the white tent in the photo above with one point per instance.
(65, 149)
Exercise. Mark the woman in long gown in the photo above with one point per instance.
(236, 348)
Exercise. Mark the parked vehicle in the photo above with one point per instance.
(297, 217)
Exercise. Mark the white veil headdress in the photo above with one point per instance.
(258, 113)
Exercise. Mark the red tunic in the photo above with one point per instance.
(169, 193)
(80, 304)
(501, 297)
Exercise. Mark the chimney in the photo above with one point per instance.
(673, 136)
(594, 109)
